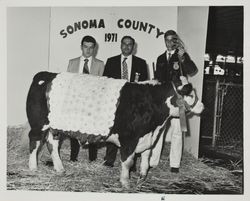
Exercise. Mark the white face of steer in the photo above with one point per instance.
(196, 106)
(192, 102)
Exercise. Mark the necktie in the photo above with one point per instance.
(169, 56)
(85, 67)
(124, 69)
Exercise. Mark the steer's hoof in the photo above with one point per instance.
(141, 180)
(33, 169)
(125, 185)
(60, 170)
(32, 165)
(153, 165)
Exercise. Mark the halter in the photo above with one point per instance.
(181, 102)
(183, 107)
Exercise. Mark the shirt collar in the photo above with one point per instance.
(171, 52)
(82, 58)
(129, 57)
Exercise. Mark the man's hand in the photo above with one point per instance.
(184, 80)
(181, 52)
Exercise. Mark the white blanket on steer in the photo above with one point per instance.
(85, 103)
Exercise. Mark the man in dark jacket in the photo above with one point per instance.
(173, 66)
(175, 61)
(124, 66)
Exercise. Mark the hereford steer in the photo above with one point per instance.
(140, 116)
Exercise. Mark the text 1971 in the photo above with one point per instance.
(110, 37)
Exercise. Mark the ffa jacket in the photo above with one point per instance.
(167, 71)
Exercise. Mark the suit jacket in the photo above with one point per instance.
(113, 68)
(167, 71)
(96, 68)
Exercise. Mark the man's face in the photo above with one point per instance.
(127, 46)
(87, 49)
(171, 42)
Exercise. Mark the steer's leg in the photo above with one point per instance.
(144, 165)
(35, 145)
(60, 142)
(126, 165)
(53, 145)
(127, 150)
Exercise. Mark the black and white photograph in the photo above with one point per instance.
(107, 100)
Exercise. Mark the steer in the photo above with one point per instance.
(140, 116)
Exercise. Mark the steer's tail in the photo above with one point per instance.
(162, 131)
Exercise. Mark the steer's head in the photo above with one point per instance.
(190, 98)
(184, 96)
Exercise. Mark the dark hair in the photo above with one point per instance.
(88, 39)
(170, 33)
(129, 37)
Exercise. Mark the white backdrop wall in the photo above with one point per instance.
(150, 43)
(27, 53)
(192, 27)
(45, 39)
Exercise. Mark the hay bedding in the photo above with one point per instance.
(195, 177)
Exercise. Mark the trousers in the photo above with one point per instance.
(174, 135)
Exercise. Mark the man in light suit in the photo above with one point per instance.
(86, 63)
(95, 66)
(124, 66)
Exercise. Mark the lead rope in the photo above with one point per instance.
(182, 110)
(182, 114)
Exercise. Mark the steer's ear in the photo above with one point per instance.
(185, 89)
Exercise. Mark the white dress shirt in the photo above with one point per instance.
(171, 52)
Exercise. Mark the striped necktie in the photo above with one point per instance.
(85, 67)
(124, 69)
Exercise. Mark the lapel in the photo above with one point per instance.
(119, 72)
(133, 69)
(93, 66)
(75, 65)
(165, 59)
(174, 56)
